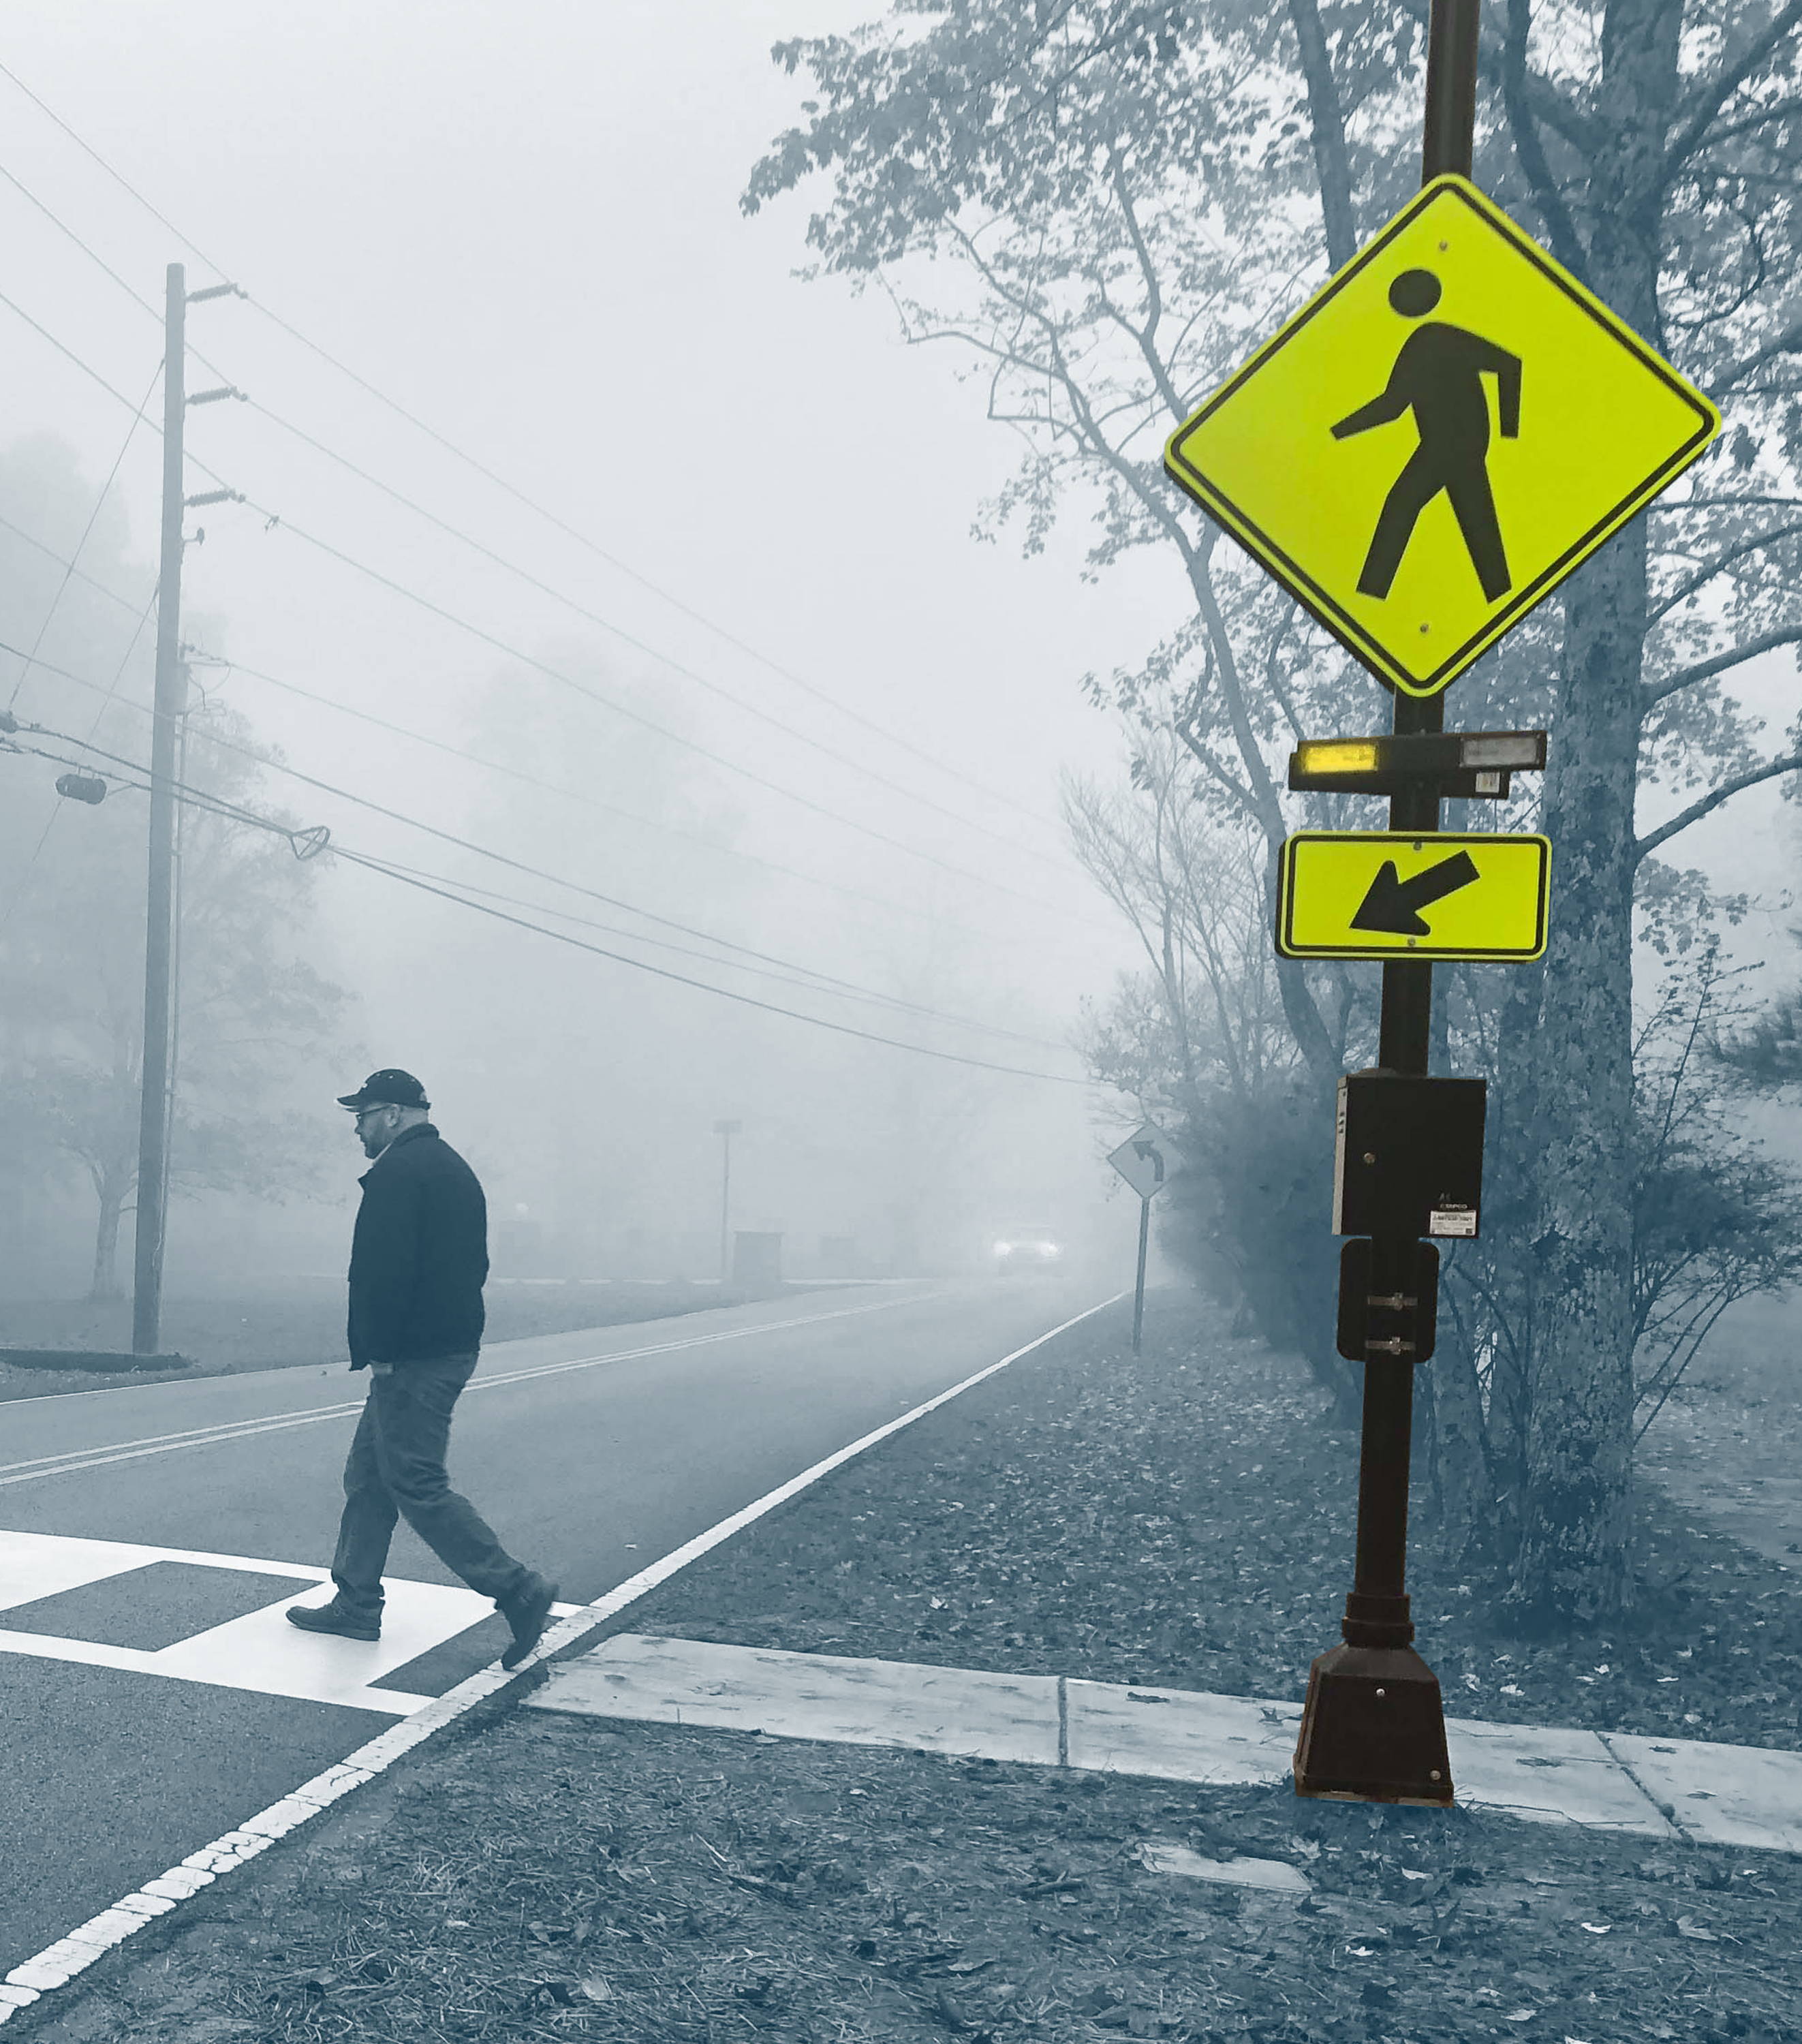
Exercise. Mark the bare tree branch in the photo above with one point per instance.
(1767, 770)
(1705, 102)
(1523, 120)
(1788, 342)
(1333, 172)
(1700, 578)
(1704, 671)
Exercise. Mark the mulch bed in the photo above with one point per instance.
(1183, 1520)
(547, 1877)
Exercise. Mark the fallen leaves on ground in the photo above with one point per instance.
(1184, 1520)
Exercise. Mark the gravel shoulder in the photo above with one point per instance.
(1183, 1518)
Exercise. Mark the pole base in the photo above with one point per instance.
(1374, 1730)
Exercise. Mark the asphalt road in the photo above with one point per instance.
(153, 1694)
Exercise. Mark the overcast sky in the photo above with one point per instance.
(522, 223)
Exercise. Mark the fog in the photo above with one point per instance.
(834, 738)
(752, 705)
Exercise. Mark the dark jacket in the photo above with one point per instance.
(419, 1255)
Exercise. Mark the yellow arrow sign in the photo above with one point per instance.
(1384, 894)
(1438, 438)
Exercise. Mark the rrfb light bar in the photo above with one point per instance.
(1460, 764)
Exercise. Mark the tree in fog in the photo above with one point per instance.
(1120, 201)
(1199, 1038)
(72, 910)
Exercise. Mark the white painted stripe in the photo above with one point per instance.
(74, 1459)
(514, 1341)
(90, 1654)
(258, 1651)
(74, 1953)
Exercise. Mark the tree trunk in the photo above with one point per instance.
(1458, 1469)
(1510, 1206)
(105, 1285)
(1572, 1566)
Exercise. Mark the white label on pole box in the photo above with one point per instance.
(1452, 1220)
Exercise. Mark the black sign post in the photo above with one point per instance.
(1147, 1160)
(1138, 1289)
(1373, 1728)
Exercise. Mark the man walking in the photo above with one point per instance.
(419, 1258)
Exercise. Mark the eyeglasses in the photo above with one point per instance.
(363, 1113)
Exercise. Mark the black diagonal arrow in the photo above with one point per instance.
(1393, 905)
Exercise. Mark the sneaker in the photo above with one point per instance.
(333, 1617)
(527, 1614)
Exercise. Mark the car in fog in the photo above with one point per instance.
(1025, 1249)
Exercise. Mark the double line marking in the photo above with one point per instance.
(75, 1459)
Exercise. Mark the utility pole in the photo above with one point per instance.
(156, 1081)
(170, 704)
(726, 1131)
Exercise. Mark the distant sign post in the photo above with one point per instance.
(1147, 1162)
(1447, 428)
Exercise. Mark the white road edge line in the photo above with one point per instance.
(62, 1962)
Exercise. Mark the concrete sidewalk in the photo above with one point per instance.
(1676, 1789)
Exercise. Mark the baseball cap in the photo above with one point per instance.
(388, 1088)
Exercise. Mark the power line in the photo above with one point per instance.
(605, 808)
(218, 805)
(79, 573)
(534, 781)
(17, 892)
(630, 638)
(69, 567)
(790, 971)
(803, 977)
(500, 482)
(813, 983)
(726, 994)
(274, 519)
(63, 348)
(557, 595)
(829, 981)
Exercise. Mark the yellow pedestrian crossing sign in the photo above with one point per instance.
(1386, 894)
(1438, 438)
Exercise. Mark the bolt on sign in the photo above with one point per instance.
(1442, 434)
(1385, 894)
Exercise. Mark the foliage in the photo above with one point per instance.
(1715, 1219)
(71, 969)
(1102, 207)
(1200, 1041)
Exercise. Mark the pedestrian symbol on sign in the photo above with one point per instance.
(1439, 376)
(1371, 453)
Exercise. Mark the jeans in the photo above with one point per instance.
(396, 1469)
